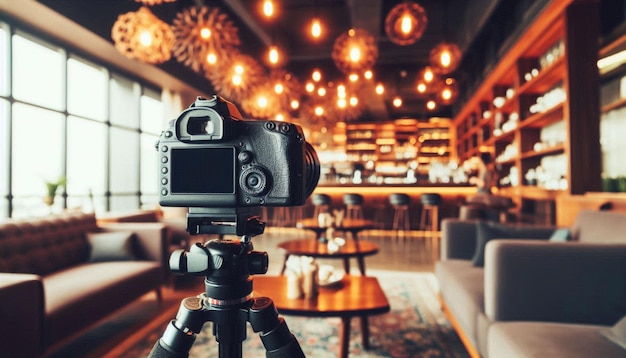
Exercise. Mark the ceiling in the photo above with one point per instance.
(396, 66)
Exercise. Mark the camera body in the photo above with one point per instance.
(210, 157)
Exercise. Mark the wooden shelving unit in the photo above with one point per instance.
(542, 85)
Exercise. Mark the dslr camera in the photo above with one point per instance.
(220, 165)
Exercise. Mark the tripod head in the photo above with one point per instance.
(227, 266)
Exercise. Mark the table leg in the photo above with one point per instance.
(361, 260)
(282, 270)
(346, 265)
(344, 338)
(365, 332)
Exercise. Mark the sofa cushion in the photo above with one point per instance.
(487, 231)
(599, 226)
(461, 286)
(111, 246)
(98, 288)
(543, 339)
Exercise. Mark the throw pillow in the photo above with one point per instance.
(560, 235)
(111, 246)
(617, 333)
(487, 231)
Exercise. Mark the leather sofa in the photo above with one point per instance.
(535, 295)
(61, 274)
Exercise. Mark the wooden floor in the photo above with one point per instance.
(411, 252)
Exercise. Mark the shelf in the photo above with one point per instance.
(542, 119)
(557, 149)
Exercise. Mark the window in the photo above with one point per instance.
(65, 116)
(38, 73)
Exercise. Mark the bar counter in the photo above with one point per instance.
(376, 204)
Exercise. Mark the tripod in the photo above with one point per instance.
(228, 301)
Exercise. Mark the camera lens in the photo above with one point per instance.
(253, 181)
(312, 166)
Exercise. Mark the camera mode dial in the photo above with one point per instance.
(254, 181)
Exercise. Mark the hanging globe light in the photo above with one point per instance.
(448, 92)
(355, 51)
(445, 58)
(405, 23)
(140, 35)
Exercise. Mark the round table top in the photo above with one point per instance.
(356, 295)
(312, 247)
(346, 224)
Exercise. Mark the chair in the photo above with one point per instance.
(401, 218)
(354, 206)
(321, 203)
(429, 221)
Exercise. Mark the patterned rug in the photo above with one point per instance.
(415, 327)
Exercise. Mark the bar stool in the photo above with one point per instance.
(401, 219)
(429, 221)
(354, 206)
(321, 204)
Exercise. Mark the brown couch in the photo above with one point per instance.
(535, 298)
(61, 274)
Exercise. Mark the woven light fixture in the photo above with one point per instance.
(236, 78)
(445, 58)
(355, 51)
(203, 37)
(405, 23)
(140, 35)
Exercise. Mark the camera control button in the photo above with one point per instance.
(164, 148)
(164, 181)
(163, 159)
(164, 170)
(285, 127)
(270, 125)
(168, 134)
(245, 157)
(164, 192)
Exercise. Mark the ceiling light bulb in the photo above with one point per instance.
(145, 38)
(355, 54)
(368, 74)
(316, 28)
(429, 75)
(273, 55)
(238, 69)
(205, 33)
(380, 89)
(431, 105)
(406, 25)
(321, 91)
(211, 58)
(319, 111)
(445, 59)
(280, 117)
(262, 101)
(341, 103)
(353, 77)
(268, 8)
(237, 80)
(316, 75)
(421, 87)
(397, 102)
(341, 89)
(446, 94)
(354, 101)
(279, 88)
(295, 104)
(309, 87)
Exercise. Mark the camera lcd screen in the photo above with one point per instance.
(203, 171)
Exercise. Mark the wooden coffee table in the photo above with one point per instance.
(357, 296)
(315, 248)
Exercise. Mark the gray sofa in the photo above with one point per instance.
(61, 274)
(537, 296)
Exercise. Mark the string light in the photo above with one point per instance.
(405, 23)
(316, 28)
(268, 8)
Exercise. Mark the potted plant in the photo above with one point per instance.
(51, 189)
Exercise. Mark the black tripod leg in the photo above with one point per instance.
(180, 332)
(275, 335)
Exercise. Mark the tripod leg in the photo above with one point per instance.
(275, 335)
(180, 332)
